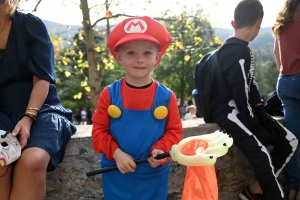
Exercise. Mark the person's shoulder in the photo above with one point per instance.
(236, 44)
(159, 84)
(234, 47)
(30, 19)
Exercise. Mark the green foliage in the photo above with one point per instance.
(266, 72)
(191, 34)
(111, 75)
(72, 70)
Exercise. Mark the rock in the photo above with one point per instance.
(69, 180)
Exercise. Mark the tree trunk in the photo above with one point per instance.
(94, 78)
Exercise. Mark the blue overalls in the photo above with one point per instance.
(136, 131)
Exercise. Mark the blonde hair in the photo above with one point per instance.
(12, 6)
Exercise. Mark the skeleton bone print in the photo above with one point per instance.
(251, 72)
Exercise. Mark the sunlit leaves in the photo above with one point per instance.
(67, 74)
(109, 66)
(97, 49)
(84, 64)
(217, 40)
(108, 14)
(191, 35)
(84, 83)
(88, 89)
(80, 54)
(178, 45)
(78, 95)
(197, 39)
(187, 57)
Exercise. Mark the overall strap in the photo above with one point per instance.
(162, 96)
(115, 93)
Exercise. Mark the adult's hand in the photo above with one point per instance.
(23, 129)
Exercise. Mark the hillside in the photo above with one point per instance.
(262, 50)
(61, 29)
(264, 37)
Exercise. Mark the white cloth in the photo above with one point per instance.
(83, 114)
(189, 116)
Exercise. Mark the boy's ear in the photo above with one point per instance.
(259, 22)
(118, 57)
(233, 24)
(158, 56)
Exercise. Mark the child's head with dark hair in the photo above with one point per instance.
(247, 12)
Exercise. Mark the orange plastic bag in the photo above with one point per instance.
(200, 181)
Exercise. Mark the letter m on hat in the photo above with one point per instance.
(135, 26)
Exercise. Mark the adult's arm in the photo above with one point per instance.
(276, 53)
(41, 59)
(41, 63)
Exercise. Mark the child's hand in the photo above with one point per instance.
(152, 161)
(125, 162)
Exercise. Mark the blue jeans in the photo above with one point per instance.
(288, 90)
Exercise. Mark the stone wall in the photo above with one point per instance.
(69, 180)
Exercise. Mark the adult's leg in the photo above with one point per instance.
(29, 180)
(5, 181)
(288, 89)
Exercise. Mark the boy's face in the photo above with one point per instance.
(138, 59)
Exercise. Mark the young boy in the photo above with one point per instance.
(237, 107)
(136, 117)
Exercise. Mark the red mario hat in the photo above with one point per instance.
(139, 28)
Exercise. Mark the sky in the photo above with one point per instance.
(219, 12)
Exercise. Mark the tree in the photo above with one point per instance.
(96, 73)
(265, 64)
(267, 84)
(192, 34)
(72, 69)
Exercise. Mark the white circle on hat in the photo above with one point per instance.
(135, 26)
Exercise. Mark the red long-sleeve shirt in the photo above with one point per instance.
(135, 99)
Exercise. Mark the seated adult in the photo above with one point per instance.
(30, 107)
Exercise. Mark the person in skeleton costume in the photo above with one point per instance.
(237, 107)
(136, 117)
